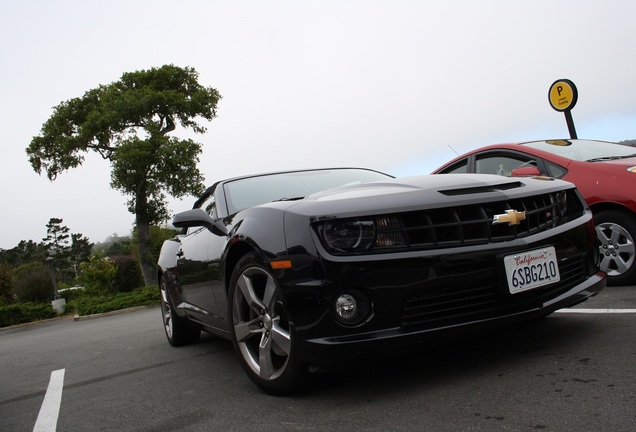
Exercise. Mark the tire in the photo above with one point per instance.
(263, 337)
(178, 332)
(616, 232)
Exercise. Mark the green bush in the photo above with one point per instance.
(97, 275)
(33, 285)
(25, 312)
(128, 275)
(72, 294)
(144, 296)
(25, 269)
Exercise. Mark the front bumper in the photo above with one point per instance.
(361, 347)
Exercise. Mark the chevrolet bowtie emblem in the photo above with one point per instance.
(512, 217)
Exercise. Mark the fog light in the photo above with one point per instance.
(352, 308)
(346, 307)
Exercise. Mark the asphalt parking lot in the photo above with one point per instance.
(571, 371)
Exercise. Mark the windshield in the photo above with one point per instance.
(252, 191)
(583, 150)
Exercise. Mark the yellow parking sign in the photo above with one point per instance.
(563, 95)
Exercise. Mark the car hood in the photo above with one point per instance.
(422, 192)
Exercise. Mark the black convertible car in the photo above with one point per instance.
(322, 268)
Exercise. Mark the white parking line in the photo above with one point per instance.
(47, 419)
(599, 311)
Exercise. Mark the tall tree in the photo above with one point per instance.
(80, 249)
(127, 122)
(57, 237)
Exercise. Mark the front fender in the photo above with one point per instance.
(263, 230)
(168, 256)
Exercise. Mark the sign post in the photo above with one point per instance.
(563, 96)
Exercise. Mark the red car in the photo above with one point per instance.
(604, 173)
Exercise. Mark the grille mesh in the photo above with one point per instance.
(475, 295)
(472, 224)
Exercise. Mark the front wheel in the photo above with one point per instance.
(262, 335)
(616, 231)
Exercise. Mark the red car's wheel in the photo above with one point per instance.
(616, 232)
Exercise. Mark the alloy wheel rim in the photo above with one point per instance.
(261, 330)
(616, 247)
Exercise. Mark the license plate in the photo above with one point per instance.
(528, 270)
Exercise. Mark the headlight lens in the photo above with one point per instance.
(355, 235)
(632, 169)
(349, 235)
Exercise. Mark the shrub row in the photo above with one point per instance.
(80, 303)
(88, 305)
(25, 312)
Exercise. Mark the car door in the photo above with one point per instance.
(198, 266)
(195, 274)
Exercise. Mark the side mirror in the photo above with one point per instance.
(527, 171)
(198, 218)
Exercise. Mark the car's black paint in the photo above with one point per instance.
(413, 294)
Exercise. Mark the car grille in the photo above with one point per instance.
(473, 224)
(476, 295)
(447, 227)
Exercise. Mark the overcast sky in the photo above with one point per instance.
(390, 85)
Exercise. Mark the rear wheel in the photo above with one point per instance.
(177, 330)
(262, 335)
(616, 232)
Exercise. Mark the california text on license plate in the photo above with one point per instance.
(532, 269)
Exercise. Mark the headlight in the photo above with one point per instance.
(355, 235)
(349, 235)
(632, 169)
